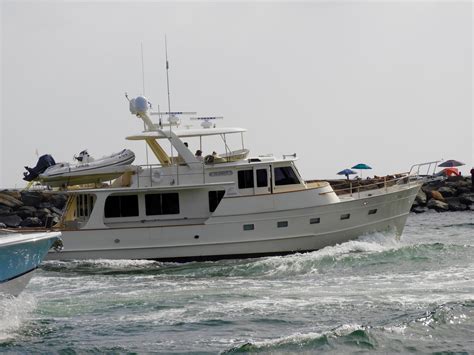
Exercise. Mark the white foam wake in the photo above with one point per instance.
(13, 313)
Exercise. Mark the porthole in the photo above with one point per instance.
(249, 227)
(374, 211)
(345, 216)
(315, 220)
(282, 224)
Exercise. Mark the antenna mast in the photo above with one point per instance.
(167, 76)
(143, 90)
(143, 70)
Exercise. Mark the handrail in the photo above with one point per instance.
(386, 183)
(418, 166)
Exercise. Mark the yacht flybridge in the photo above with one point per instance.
(194, 206)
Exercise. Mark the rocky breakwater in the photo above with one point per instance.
(27, 209)
(452, 194)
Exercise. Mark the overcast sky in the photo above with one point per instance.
(388, 84)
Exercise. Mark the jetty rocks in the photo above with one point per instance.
(452, 194)
(27, 209)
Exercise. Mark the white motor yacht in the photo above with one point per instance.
(227, 205)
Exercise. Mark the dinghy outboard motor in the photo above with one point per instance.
(44, 162)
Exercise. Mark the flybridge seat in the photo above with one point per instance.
(228, 157)
(235, 155)
(232, 156)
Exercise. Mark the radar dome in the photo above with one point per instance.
(133, 109)
(141, 104)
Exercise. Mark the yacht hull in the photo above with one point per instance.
(226, 236)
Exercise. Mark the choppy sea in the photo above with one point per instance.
(375, 294)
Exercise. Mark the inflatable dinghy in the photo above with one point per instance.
(88, 170)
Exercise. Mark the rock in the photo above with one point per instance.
(437, 205)
(463, 190)
(419, 209)
(56, 211)
(31, 198)
(455, 205)
(455, 178)
(433, 185)
(447, 191)
(421, 198)
(13, 193)
(31, 222)
(9, 201)
(4, 210)
(11, 221)
(3, 225)
(437, 195)
(58, 200)
(26, 211)
(47, 205)
(467, 199)
(42, 212)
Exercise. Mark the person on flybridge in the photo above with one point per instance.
(198, 155)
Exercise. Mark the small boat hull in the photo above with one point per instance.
(94, 177)
(20, 256)
(96, 171)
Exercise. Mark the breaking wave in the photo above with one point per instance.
(388, 338)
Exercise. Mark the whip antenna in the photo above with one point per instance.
(168, 87)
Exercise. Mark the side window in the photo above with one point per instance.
(215, 198)
(170, 203)
(245, 179)
(285, 176)
(159, 204)
(262, 178)
(121, 206)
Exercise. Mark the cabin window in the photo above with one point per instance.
(215, 198)
(345, 216)
(282, 224)
(245, 179)
(159, 204)
(249, 227)
(84, 205)
(285, 176)
(262, 178)
(374, 211)
(121, 206)
(314, 220)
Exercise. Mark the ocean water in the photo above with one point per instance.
(373, 295)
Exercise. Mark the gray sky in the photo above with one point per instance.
(388, 84)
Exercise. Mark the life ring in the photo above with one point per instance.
(209, 159)
(156, 176)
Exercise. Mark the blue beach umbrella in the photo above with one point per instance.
(346, 172)
(361, 166)
(451, 164)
